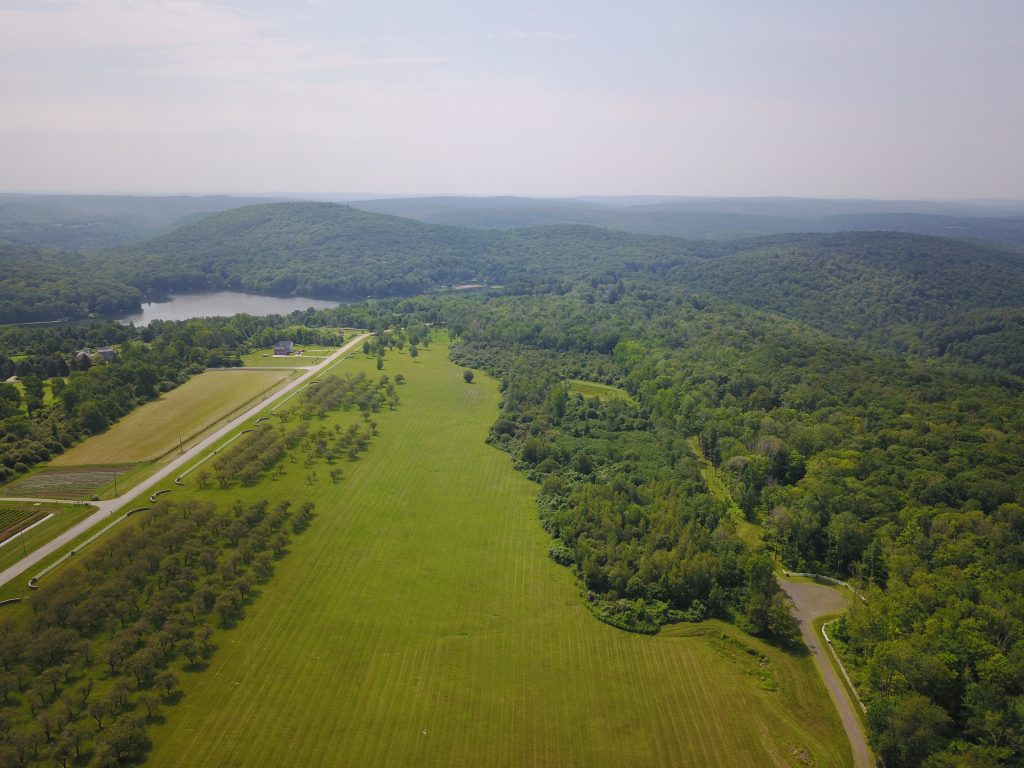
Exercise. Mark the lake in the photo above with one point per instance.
(184, 306)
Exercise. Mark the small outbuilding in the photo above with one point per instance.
(284, 348)
(106, 354)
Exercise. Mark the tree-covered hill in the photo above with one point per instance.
(875, 285)
(336, 251)
(308, 249)
(37, 285)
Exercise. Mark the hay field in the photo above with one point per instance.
(148, 432)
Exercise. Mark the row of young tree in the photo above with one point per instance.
(92, 662)
(266, 447)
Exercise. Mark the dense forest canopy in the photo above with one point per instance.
(38, 286)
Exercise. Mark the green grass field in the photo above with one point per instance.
(149, 432)
(419, 622)
(264, 358)
(47, 392)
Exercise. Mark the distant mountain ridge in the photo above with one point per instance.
(720, 218)
(92, 223)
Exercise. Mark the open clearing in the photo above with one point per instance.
(265, 357)
(149, 432)
(420, 622)
(600, 391)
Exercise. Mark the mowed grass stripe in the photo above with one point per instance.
(421, 598)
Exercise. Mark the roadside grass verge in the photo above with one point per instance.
(65, 516)
(178, 417)
(852, 694)
(420, 622)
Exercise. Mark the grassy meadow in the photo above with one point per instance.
(264, 358)
(147, 433)
(419, 622)
(600, 391)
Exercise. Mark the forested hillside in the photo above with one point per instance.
(325, 250)
(38, 285)
(873, 284)
(307, 249)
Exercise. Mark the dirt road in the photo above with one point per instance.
(811, 601)
(106, 509)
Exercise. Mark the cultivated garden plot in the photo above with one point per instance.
(65, 482)
(13, 521)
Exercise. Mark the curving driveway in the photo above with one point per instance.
(811, 601)
(106, 509)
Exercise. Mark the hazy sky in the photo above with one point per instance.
(881, 98)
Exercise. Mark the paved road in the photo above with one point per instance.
(811, 601)
(105, 509)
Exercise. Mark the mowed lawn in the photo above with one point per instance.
(154, 429)
(419, 622)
